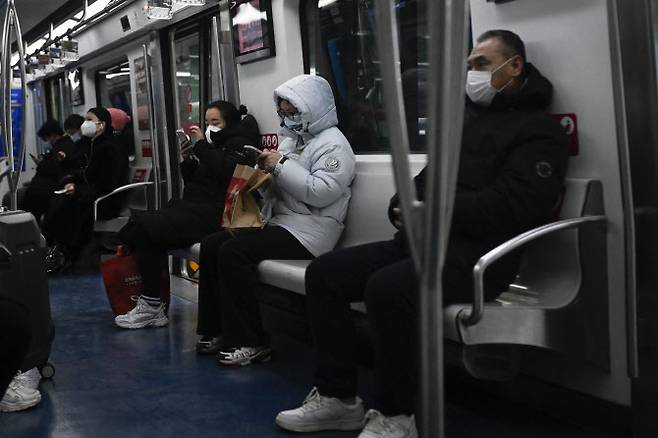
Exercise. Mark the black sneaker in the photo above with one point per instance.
(242, 356)
(55, 260)
(209, 345)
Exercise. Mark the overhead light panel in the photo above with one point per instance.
(190, 2)
(159, 9)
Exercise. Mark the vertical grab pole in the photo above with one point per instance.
(23, 73)
(11, 22)
(218, 54)
(155, 154)
(5, 85)
(387, 36)
(446, 107)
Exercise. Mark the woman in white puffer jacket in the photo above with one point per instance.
(304, 208)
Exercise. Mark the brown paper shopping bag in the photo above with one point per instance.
(240, 207)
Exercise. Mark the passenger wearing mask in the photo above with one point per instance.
(511, 175)
(50, 169)
(304, 207)
(207, 169)
(75, 161)
(69, 223)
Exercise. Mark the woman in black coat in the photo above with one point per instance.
(68, 224)
(207, 169)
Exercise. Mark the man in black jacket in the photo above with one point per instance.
(511, 173)
(37, 195)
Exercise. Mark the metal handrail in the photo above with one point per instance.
(218, 54)
(477, 310)
(155, 155)
(85, 6)
(412, 208)
(116, 191)
(11, 22)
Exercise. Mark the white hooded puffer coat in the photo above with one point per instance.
(310, 192)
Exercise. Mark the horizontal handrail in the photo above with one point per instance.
(116, 191)
(477, 309)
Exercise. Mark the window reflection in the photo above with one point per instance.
(341, 46)
(188, 80)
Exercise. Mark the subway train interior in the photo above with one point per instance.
(568, 349)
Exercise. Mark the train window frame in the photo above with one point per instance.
(375, 139)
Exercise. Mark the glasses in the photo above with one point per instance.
(283, 113)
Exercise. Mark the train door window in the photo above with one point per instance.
(113, 90)
(188, 73)
(113, 86)
(340, 45)
(54, 99)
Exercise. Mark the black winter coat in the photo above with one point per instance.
(511, 173)
(103, 170)
(183, 222)
(52, 167)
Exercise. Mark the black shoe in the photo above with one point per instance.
(55, 260)
(209, 345)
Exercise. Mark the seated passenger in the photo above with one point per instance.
(207, 170)
(511, 173)
(68, 225)
(307, 200)
(75, 161)
(50, 169)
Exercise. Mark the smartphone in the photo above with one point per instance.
(253, 149)
(182, 137)
(60, 192)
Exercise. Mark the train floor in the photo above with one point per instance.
(116, 383)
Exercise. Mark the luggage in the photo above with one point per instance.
(23, 279)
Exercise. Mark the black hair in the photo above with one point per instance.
(73, 122)
(51, 127)
(104, 116)
(512, 42)
(229, 112)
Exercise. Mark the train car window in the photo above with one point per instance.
(113, 86)
(188, 74)
(340, 45)
(54, 99)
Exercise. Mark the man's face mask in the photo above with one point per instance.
(479, 87)
(76, 137)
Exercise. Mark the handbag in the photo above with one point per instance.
(123, 282)
(241, 208)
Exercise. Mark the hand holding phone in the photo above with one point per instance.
(252, 149)
(60, 192)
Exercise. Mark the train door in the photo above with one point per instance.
(197, 48)
(635, 30)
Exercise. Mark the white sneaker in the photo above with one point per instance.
(379, 426)
(19, 396)
(143, 315)
(322, 413)
(242, 356)
(30, 378)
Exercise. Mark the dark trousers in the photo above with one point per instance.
(15, 335)
(228, 302)
(382, 275)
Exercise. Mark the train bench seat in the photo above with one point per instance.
(555, 302)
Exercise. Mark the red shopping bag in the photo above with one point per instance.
(123, 282)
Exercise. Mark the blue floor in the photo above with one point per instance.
(115, 383)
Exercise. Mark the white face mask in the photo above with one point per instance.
(294, 122)
(76, 137)
(479, 88)
(88, 128)
(209, 130)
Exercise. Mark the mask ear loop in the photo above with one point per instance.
(499, 67)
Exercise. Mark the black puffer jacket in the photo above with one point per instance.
(185, 221)
(103, 170)
(207, 179)
(52, 166)
(511, 170)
